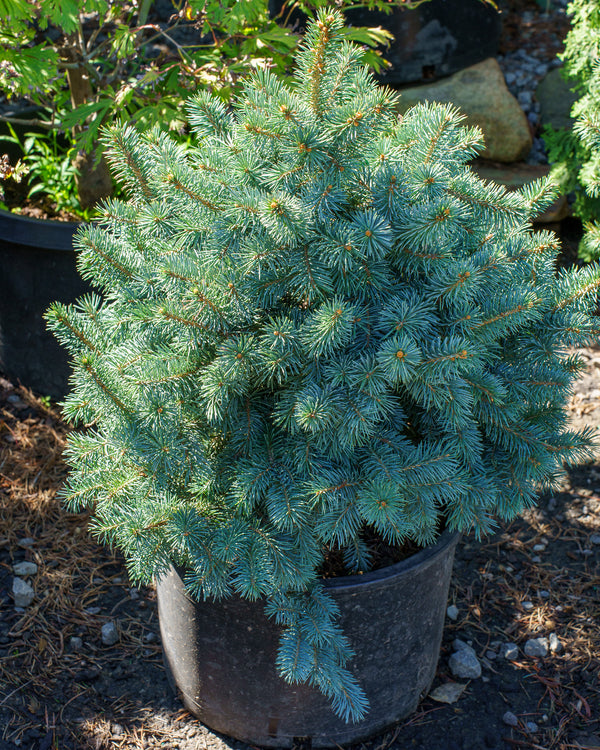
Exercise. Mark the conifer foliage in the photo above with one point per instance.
(314, 322)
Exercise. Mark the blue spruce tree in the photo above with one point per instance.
(316, 322)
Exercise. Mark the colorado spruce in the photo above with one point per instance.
(316, 322)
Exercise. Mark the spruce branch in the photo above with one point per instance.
(318, 325)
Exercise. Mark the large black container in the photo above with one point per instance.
(436, 39)
(37, 267)
(221, 655)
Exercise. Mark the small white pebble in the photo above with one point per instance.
(25, 568)
(510, 719)
(452, 612)
(539, 547)
(536, 647)
(531, 726)
(110, 634)
(527, 605)
(554, 643)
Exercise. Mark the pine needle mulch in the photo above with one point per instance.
(62, 694)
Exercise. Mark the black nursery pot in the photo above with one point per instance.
(221, 655)
(37, 267)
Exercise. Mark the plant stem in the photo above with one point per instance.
(35, 123)
(145, 6)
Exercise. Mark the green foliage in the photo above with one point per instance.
(317, 324)
(575, 158)
(587, 130)
(85, 61)
(49, 170)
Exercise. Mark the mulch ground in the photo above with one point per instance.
(62, 688)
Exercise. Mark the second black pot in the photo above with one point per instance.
(38, 267)
(221, 655)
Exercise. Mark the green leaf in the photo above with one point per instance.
(372, 36)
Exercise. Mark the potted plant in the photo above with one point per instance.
(321, 336)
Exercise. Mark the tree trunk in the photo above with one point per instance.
(93, 178)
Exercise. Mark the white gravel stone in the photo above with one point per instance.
(452, 612)
(22, 592)
(539, 547)
(110, 634)
(510, 651)
(595, 539)
(464, 663)
(26, 542)
(531, 727)
(449, 692)
(25, 568)
(536, 647)
(527, 605)
(76, 643)
(510, 719)
(555, 645)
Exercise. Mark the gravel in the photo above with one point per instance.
(25, 569)
(524, 68)
(76, 643)
(464, 662)
(554, 643)
(537, 647)
(110, 634)
(510, 719)
(510, 651)
(452, 612)
(22, 592)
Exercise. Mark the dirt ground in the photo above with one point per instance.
(61, 687)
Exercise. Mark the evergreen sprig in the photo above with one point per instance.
(317, 324)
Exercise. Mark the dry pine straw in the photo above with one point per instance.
(72, 577)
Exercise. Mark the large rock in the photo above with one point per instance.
(481, 93)
(555, 99)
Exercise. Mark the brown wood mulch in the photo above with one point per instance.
(492, 583)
